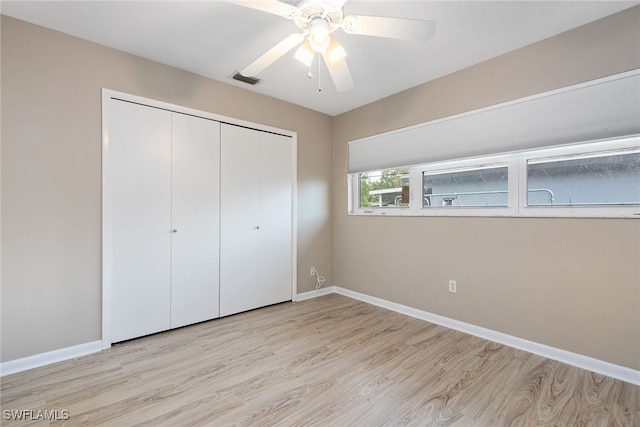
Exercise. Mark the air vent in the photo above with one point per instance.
(249, 80)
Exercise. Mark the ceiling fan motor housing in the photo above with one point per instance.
(311, 10)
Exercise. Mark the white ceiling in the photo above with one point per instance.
(216, 38)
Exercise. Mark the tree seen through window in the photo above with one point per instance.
(385, 188)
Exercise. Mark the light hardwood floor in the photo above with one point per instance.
(330, 361)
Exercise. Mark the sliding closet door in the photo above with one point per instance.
(195, 220)
(240, 220)
(139, 176)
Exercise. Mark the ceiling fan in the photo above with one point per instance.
(316, 20)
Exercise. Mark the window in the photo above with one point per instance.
(477, 187)
(596, 179)
(384, 188)
(600, 179)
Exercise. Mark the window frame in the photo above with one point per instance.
(516, 163)
(469, 165)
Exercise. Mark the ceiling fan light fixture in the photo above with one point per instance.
(335, 51)
(319, 35)
(304, 53)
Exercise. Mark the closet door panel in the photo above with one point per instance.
(239, 219)
(275, 218)
(139, 174)
(195, 220)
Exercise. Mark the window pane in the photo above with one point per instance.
(604, 180)
(483, 187)
(387, 188)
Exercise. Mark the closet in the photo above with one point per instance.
(197, 217)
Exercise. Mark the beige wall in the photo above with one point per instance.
(573, 284)
(51, 177)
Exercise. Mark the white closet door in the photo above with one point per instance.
(139, 175)
(195, 220)
(275, 218)
(239, 219)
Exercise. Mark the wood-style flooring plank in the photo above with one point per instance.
(330, 361)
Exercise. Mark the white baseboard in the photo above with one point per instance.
(315, 293)
(578, 360)
(42, 359)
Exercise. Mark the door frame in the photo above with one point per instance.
(107, 96)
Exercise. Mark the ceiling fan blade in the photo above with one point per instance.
(272, 55)
(340, 73)
(336, 4)
(275, 7)
(397, 28)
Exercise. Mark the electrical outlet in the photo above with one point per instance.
(452, 286)
(313, 271)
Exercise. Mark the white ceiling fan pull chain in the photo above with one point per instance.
(319, 82)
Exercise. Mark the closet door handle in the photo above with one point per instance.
(175, 230)
(258, 228)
